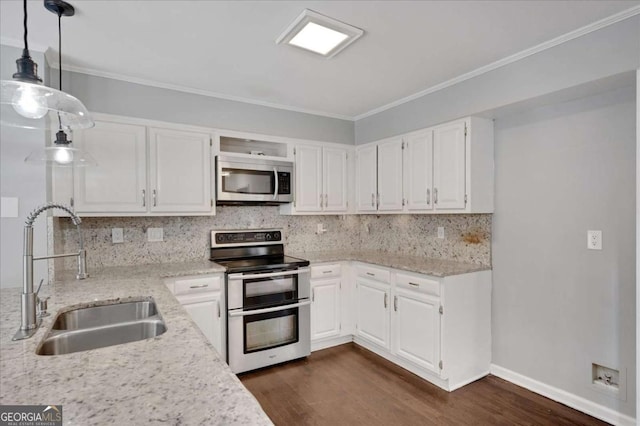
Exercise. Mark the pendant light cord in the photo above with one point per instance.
(60, 49)
(58, 139)
(26, 44)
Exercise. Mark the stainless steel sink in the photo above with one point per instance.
(99, 316)
(100, 326)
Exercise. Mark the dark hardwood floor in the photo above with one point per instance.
(350, 385)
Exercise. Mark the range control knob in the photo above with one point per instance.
(268, 236)
(276, 235)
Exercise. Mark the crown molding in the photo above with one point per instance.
(610, 20)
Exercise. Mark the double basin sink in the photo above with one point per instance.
(104, 324)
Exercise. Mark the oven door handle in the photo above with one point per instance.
(269, 274)
(267, 310)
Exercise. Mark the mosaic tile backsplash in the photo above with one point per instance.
(467, 237)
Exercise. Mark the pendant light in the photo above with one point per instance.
(27, 103)
(61, 154)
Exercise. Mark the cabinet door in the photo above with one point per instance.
(366, 178)
(119, 182)
(207, 316)
(390, 175)
(418, 171)
(417, 329)
(449, 166)
(180, 171)
(335, 179)
(325, 309)
(309, 178)
(373, 311)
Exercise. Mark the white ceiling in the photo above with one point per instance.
(227, 48)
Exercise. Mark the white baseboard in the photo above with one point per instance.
(574, 401)
(330, 342)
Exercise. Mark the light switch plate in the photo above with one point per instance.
(9, 207)
(441, 232)
(155, 235)
(117, 235)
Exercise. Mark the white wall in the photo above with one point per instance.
(609, 51)
(118, 97)
(27, 182)
(557, 307)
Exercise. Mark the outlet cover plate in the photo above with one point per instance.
(441, 232)
(117, 235)
(594, 240)
(155, 235)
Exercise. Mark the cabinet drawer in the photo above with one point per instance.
(196, 285)
(326, 271)
(417, 283)
(373, 273)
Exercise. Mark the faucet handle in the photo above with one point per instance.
(39, 285)
(42, 307)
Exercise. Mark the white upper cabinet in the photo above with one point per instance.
(418, 171)
(443, 169)
(321, 179)
(366, 178)
(118, 184)
(390, 175)
(335, 179)
(141, 170)
(308, 178)
(179, 171)
(449, 166)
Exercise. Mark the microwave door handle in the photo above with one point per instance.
(267, 310)
(275, 175)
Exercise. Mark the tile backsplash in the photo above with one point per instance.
(467, 237)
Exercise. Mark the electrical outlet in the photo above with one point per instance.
(320, 229)
(441, 232)
(155, 235)
(594, 240)
(117, 235)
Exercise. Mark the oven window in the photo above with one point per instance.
(270, 330)
(270, 291)
(247, 181)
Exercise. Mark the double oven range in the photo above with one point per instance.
(267, 298)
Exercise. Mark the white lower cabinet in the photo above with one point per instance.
(330, 306)
(207, 317)
(417, 328)
(372, 299)
(202, 296)
(439, 328)
(325, 308)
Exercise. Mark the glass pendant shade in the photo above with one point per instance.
(61, 156)
(34, 106)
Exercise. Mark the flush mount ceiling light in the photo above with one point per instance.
(61, 154)
(26, 103)
(319, 34)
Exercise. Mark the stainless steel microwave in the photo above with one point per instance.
(244, 180)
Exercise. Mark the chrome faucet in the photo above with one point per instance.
(29, 299)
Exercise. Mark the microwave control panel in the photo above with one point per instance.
(284, 183)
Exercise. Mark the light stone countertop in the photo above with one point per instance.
(175, 378)
(417, 264)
